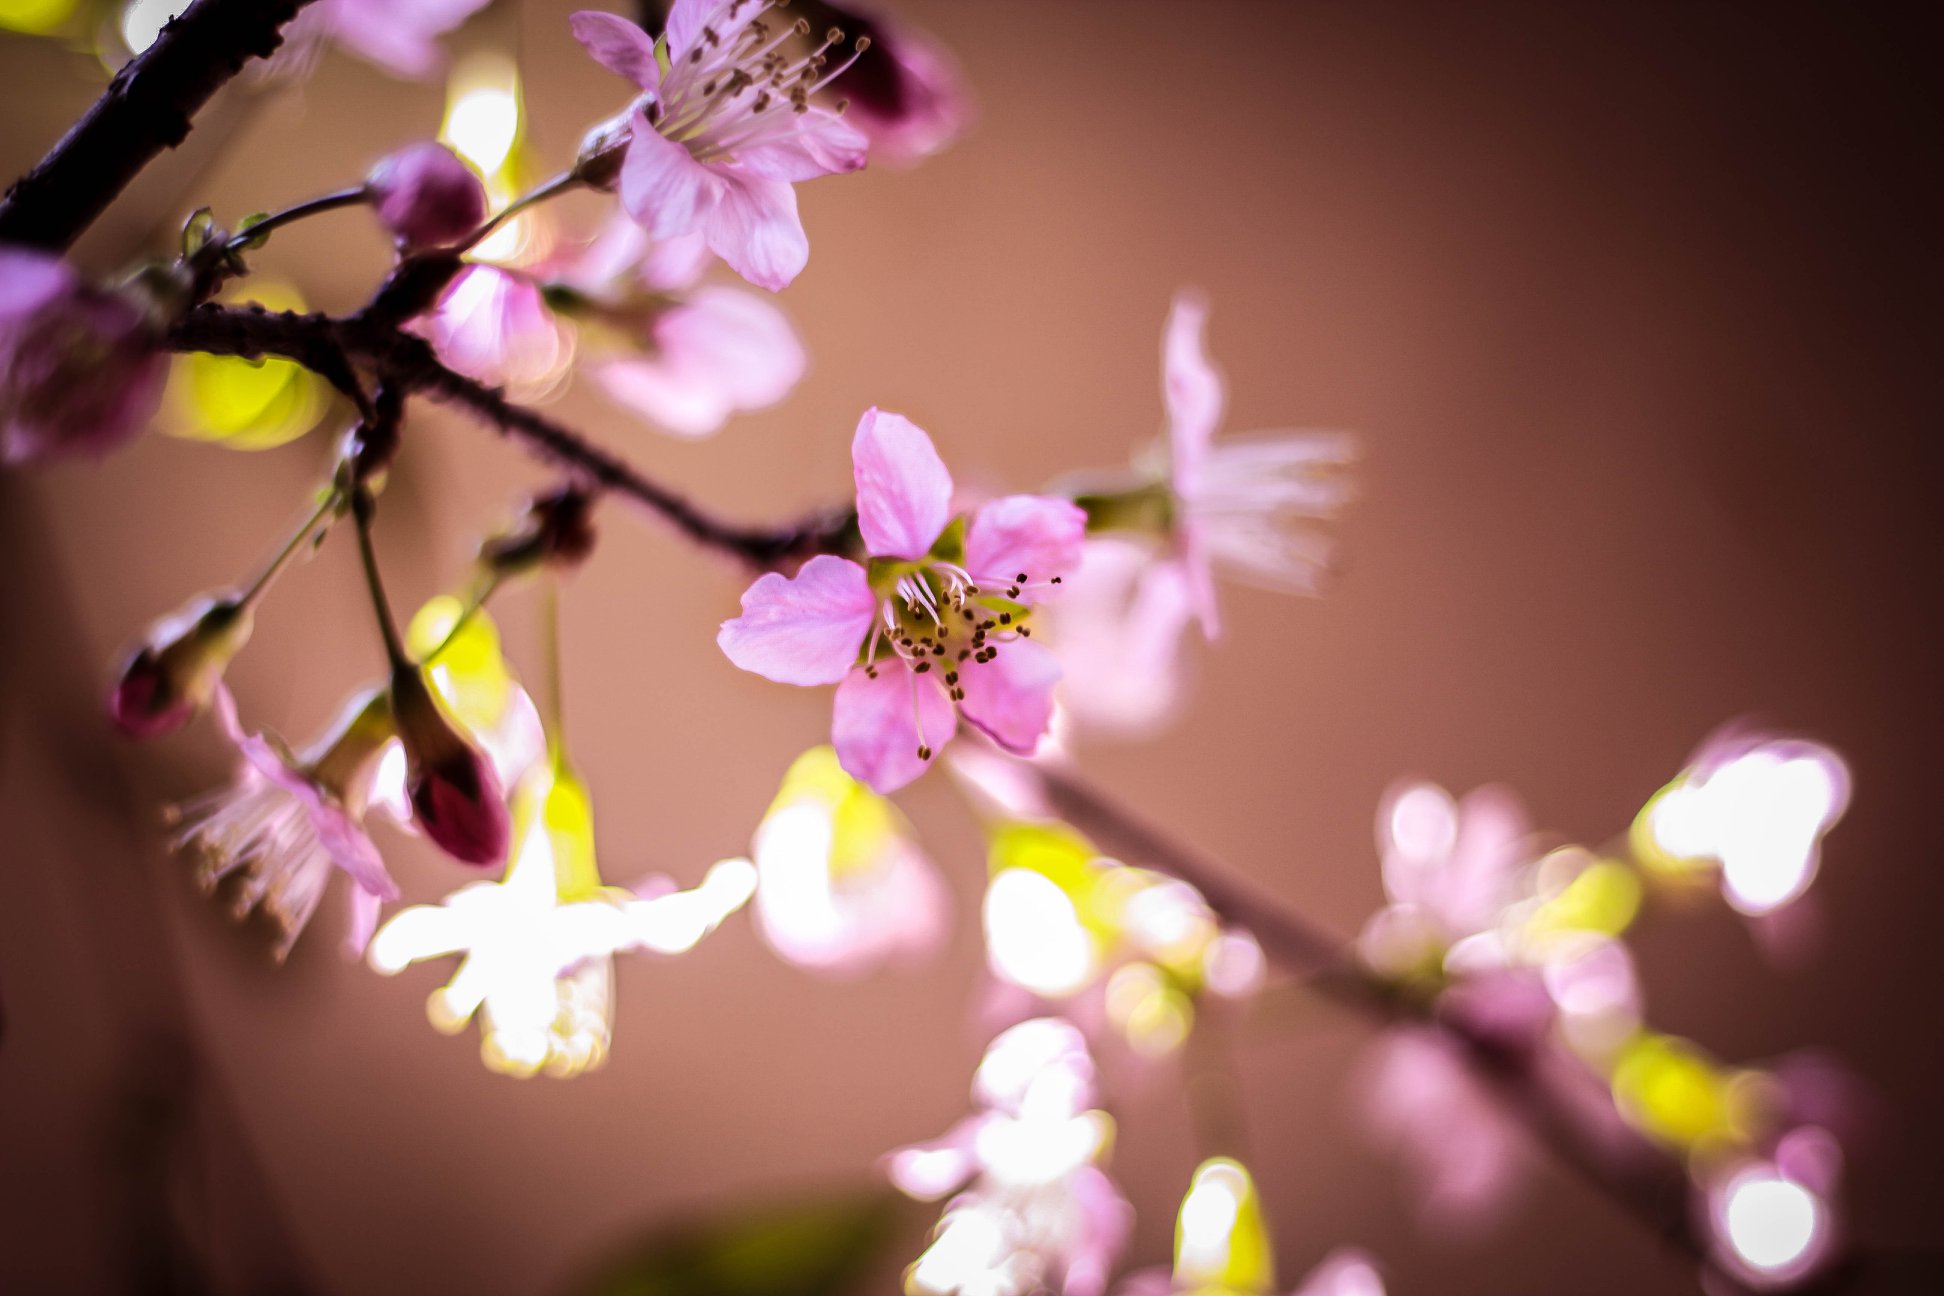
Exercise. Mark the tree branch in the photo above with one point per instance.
(327, 345)
(148, 107)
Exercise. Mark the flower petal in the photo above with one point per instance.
(755, 228)
(1191, 389)
(618, 45)
(1011, 696)
(904, 492)
(665, 189)
(721, 351)
(822, 144)
(687, 18)
(877, 725)
(1035, 534)
(802, 629)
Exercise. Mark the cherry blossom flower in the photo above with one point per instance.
(493, 324)
(1458, 1149)
(426, 196)
(907, 94)
(1124, 615)
(724, 128)
(685, 358)
(1772, 1222)
(538, 947)
(288, 820)
(1452, 870)
(1242, 503)
(1222, 1247)
(841, 885)
(1034, 1211)
(935, 628)
(400, 36)
(80, 373)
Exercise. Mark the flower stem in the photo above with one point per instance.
(565, 182)
(474, 602)
(281, 559)
(363, 507)
(290, 215)
(550, 646)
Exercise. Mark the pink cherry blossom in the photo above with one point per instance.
(1124, 615)
(79, 370)
(1243, 503)
(426, 196)
(907, 94)
(286, 821)
(493, 324)
(724, 129)
(717, 353)
(934, 630)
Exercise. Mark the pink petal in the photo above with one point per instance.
(755, 228)
(364, 921)
(686, 19)
(1035, 534)
(875, 725)
(823, 144)
(721, 351)
(665, 189)
(674, 264)
(618, 45)
(1198, 571)
(1011, 696)
(1191, 389)
(803, 629)
(904, 493)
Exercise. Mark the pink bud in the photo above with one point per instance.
(426, 196)
(171, 676)
(79, 370)
(455, 796)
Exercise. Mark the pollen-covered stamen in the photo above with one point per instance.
(259, 834)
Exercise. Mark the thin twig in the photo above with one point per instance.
(325, 343)
(148, 107)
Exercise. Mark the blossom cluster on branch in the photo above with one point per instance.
(1009, 629)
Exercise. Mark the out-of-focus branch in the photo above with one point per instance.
(332, 345)
(1647, 1183)
(148, 107)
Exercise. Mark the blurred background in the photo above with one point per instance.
(1635, 308)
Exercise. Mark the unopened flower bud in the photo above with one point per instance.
(455, 796)
(558, 531)
(80, 373)
(426, 196)
(598, 164)
(172, 675)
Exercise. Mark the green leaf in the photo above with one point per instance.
(251, 221)
(821, 1247)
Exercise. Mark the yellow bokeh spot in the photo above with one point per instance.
(1673, 1091)
(862, 823)
(1221, 1242)
(245, 404)
(469, 671)
(34, 17)
(1602, 897)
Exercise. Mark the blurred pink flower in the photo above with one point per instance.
(1451, 870)
(1123, 614)
(287, 821)
(959, 619)
(1037, 1213)
(399, 36)
(907, 94)
(717, 140)
(80, 373)
(1344, 1272)
(426, 196)
(1772, 1223)
(1242, 503)
(493, 325)
(719, 352)
(1425, 1106)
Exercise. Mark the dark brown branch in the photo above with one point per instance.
(148, 107)
(329, 345)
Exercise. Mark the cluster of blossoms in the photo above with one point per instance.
(984, 625)
(1521, 944)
